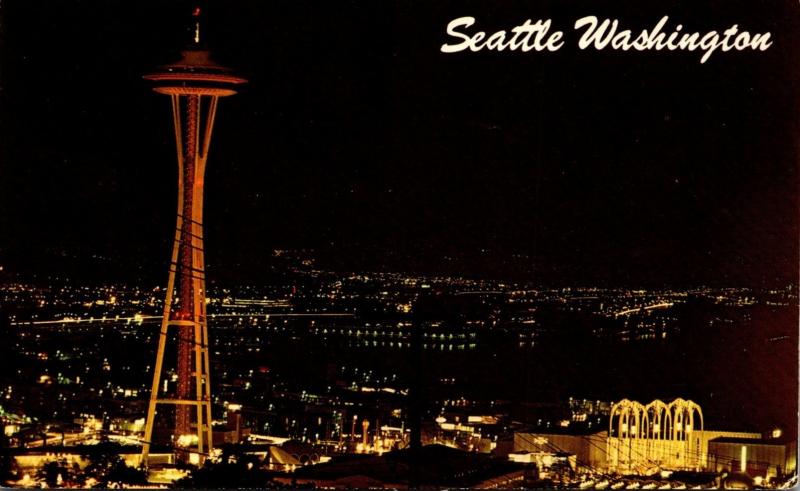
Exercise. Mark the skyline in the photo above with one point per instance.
(531, 364)
(381, 153)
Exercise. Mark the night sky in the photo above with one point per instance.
(357, 138)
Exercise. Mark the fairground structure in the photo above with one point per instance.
(662, 434)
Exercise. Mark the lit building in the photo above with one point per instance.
(659, 434)
(765, 458)
(588, 448)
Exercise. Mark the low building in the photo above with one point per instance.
(433, 466)
(589, 449)
(766, 458)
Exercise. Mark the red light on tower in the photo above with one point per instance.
(194, 85)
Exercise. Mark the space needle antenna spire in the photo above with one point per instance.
(196, 16)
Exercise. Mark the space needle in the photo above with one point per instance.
(194, 85)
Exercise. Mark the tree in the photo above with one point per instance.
(58, 474)
(240, 474)
(106, 466)
(8, 467)
(124, 474)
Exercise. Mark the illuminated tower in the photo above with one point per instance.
(194, 85)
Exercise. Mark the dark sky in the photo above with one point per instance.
(358, 138)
